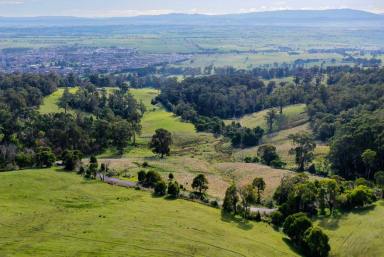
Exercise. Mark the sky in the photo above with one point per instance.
(110, 8)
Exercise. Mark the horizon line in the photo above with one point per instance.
(194, 13)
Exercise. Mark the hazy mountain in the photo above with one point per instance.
(339, 17)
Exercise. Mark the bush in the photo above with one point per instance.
(361, 196)
(258, 217)
(295, 225)
(277, 164)
(141, 175)
(315, 243)
(160, 188)
(152, 178)
(277, 218)
(214, 204)
(173, 189)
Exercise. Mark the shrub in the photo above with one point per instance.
(214, 204)
(141, 175)
(277, 218)
(277, 164)
(295, 225)
(160, 188)
(361, 196)
(152, 178)
(315, 243)
(173, 189)
(258, 217)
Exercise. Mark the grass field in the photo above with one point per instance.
(357, 234)
(250, 60)
(50, 103)
(293, 115)
(48, 213)
(157, 117)
(295, 120)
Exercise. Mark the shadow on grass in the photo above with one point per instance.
(241, 222)
(291, 246)
(332, 222)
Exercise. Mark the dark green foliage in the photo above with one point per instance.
(360, 196)
(304, 146)
(258, 217)
(141, 176)
(160, 188)
(248, 196)
(71, 159)
(259, 184)
(173, 189)
(44, 157)
(316, 243)
(295, 226)
(268, 154)
(277, 218)
(151, 179)
(231, 199)
(249, 159)
(200, 183)
(161, 142)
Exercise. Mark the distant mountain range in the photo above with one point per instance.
(338, 18)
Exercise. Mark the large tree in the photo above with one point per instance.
(304, 146)
(161, 142)
(200, 183)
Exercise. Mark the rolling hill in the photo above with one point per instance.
(52, 213)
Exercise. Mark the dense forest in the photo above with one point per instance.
(344, 104)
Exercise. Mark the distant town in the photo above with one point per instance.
(80, 60)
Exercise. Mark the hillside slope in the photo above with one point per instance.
(48, 213)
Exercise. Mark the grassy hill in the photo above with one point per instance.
(356, 234)
(50, 213)
(293, 115)
(50, 103)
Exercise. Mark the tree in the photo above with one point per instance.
(231, 199)
(44, 157)
(248, 196)
(259, 184)
(295, 226)
(316, 242)
(71, 159)
(160, 188)
(174, 189)
(92, 167)
(369, 159)
(277, 218)
(270, 118)
(360, 196)
(304, 146)
(161, 141)
(328, 193)
(200, 183)
(267, 154)
(141, 176)
(122, 132)
(152, 178)
(379, 179)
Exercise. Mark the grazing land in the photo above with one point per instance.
(49, 213)
(50, 103)
(359, 233)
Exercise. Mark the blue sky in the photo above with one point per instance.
(108, 8)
